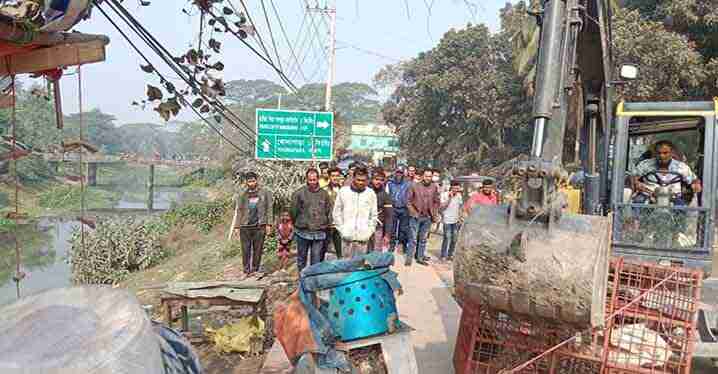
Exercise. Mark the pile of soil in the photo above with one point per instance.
(368, 360)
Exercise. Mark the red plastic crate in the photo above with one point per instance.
(655, 334)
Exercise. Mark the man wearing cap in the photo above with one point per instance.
(398, 189)
(253, 214)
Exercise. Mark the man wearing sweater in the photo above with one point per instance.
(380, 240)
(423, 205)
(253, 219)
(311, 211)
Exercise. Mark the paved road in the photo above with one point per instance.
(428, 306)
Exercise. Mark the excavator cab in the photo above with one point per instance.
(667, 221)
(675, 225)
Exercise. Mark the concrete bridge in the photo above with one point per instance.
(94, 160)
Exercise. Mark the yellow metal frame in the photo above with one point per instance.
(622, 113)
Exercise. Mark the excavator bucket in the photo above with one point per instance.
(555, 271)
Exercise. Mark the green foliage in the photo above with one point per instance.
(69, 197)
(203, 178)
(203, 215)
(6, 225)
(145, 139)
(34, 170)
(462, 97)
(116, 248)
(670, 68)
(98, 128)
(35, 116)
(232, 249)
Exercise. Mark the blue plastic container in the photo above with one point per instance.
(362, 306)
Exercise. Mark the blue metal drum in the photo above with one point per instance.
(360, 307)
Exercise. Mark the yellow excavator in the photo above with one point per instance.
(576, 80)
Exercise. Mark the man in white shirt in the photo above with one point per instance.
(451, 203)
(663, 169)
(355, 214)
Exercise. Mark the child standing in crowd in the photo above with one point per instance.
(285, 232)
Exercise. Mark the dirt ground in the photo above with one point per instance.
(205, 257)
(199, 257)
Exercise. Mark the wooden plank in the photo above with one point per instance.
(247, 295)
(53, 57)
(249, 283)
(13, 34)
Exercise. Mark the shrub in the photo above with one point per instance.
(68, 197)
(204, 215)
(117, 247)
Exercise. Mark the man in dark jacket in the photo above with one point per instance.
(253, 216)
(423, 205)
(380, 240)
(398, 190)
(311, 211)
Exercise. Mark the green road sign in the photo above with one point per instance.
(374, 143)
(294, 135)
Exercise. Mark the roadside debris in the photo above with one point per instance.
(244, 336)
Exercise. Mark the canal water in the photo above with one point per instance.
(49, 267)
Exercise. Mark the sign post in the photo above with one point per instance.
(294, 135)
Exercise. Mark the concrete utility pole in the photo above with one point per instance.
(331, 10)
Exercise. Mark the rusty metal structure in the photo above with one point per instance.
(652, 328)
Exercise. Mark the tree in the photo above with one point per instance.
(696, 21)
(195, 138)
(35, 116)
(669, 65)
(147, 138)
(98, 129)
(248, 92)
(462, 98)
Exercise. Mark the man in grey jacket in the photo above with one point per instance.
(253, 216)
(311, 211)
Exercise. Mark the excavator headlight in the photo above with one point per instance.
(629, 72)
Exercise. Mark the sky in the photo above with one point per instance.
(369, 33)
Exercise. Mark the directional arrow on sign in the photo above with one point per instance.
(323, 125)
(266, 145)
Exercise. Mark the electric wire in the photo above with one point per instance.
(286, 37)
(166, 56)
(271, 34)
(142, 55)
(258, 36)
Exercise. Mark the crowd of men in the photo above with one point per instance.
(368, 209)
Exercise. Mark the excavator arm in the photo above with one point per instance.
(529, 258)
(573, 67)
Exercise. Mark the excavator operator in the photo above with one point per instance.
(663, 170)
